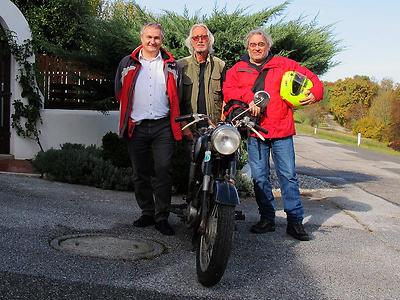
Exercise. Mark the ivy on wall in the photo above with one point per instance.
(26, 116)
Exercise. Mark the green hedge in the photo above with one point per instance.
(75, 163)
(109, 167)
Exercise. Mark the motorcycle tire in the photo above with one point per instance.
(214, 246)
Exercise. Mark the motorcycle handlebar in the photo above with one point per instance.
(184, 118)
(259, 128)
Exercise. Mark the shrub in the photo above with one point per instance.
(312, 115)
(115, 149)
(70, 146)
(369, 127)
(244, 185)
(299, 117)
(243, 155)
(75, 163)
(392, 132)
(395, 145)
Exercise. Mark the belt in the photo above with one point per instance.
(147, 121)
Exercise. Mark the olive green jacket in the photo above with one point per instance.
(188, 85)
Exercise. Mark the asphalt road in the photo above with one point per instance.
(354, 254)
(377, 174)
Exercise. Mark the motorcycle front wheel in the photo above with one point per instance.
(214, 246)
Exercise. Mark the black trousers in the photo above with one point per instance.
(150, 149)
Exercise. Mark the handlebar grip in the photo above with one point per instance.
(259, 128)
(183, 118)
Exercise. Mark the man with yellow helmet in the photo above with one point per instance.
(258, 70)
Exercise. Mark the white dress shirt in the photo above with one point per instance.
(150, 96)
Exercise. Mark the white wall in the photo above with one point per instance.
(68, 126)
(12, 19)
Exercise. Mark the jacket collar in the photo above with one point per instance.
(208, 60)
(166, 56)
(246, 58)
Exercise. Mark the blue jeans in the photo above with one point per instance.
(282, 151)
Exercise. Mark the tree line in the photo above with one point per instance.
(367, 107)
(99, 33)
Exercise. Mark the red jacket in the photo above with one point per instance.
(125, 81)
(279, 117)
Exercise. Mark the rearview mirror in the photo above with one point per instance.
(261, 99)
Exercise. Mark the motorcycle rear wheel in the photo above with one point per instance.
(214, 246)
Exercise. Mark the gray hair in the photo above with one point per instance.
(210, 38)
(154, 25)
(261, 32)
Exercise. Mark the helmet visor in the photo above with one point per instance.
(298, 83)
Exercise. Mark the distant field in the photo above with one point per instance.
(346, 139)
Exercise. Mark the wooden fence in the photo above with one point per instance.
(68, 85)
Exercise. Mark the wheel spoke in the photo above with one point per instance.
(215, 245)
(208, 239)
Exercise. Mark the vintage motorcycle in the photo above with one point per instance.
(212, 196)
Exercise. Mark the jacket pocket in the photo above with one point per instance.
(187, 86)
(216, 84)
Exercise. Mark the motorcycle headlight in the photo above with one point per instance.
(225, 139)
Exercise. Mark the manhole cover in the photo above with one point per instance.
(108, 246)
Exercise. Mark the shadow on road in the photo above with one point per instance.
(318, 211)
(336, 176)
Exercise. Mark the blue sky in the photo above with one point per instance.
(369, 29)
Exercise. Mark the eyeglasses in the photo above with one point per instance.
(197, 38)
(260, 44)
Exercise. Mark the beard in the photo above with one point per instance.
(201, 49)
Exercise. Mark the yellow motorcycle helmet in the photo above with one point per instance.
(293, 86)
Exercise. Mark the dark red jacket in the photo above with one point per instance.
(240, 80)
(125, 80)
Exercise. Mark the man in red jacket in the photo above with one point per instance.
(145, 85)
(260, 70)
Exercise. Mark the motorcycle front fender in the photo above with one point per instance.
(226, 193)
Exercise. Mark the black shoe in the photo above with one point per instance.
(178, 209)
(144, 221)
(297, 231)
(239, 215)
(263, 226)
(164, 227)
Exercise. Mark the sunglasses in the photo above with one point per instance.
(197, 38)
(260, 44)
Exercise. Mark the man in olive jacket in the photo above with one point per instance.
(200, 76)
